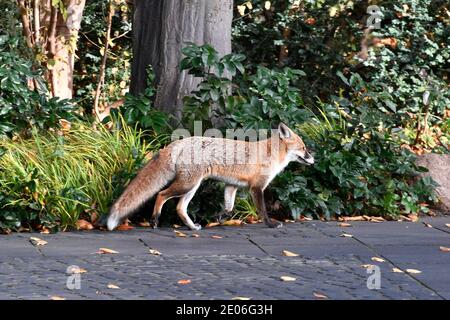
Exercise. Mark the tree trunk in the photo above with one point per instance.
(65, 46)
(49, 34)
(161, 30)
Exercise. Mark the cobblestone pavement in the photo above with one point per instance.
(246, 262)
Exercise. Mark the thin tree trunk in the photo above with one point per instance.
(101, 79)
(26, 27)
(161, 30)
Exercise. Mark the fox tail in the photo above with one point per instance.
(150, 180)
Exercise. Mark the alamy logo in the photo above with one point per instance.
(374, 280)
(375, 15)
(74, 278)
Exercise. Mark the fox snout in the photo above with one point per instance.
(307, 158)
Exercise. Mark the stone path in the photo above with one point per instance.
(246, 262)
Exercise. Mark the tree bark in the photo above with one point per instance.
(161, 30)
(48, 33)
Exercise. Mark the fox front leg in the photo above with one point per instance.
(258, 199)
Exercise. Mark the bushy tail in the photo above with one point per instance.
(149, 181)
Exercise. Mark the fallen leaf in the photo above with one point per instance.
(377, 219)
(289, 254)
(413, 217)
(180, 234)
(216, 237)
(176, 226)
(344, 224)
(447, 225)
(84, 225)
(212, 224)
(184, 281)
(233, 222)
(76, 270)
(251, 220)
(320, 296)
(427, 225)
(38, 242)
(346, 235)
(106, 251)
(287, 278)
(154, 252)
(195, 235)
(289, 221)
(376, 259)
(397, 270)
(113, 286)
(125, 227)
(413, 271)
(357, 218)
(57, 298)
(240, 298)
(367, 266)
(45, 231)
(444, 249)
(144, 224)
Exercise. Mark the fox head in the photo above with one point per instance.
(296, 149)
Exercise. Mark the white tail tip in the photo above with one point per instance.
(112, 223)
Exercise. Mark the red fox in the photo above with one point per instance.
(186, 163)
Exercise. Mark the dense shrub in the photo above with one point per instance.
(51, 180)
(401, 62)
(22, 107)
(360, 168)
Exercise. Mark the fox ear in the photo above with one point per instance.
(284, 131)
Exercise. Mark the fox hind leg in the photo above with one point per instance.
(183, 205)
(229, 198)
(179, 188)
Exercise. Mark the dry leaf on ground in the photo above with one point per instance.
(212, 224)
(240, 298)
(38, 242)
(367, 266)
(320, 295)
(184, 281)
(357, 218)
(176, 226)
(344, 224)
(154, 252)
(287, 278)
(125, 227)
(233, 222)
(106, 251)
(447, 225)
(427, 225)
(180, 234)
(376, 259)
(113, 286)
(76, 270)
(144, 224)
(444, 249)
(397, 270)
(195, 235)
(216, 237)
(57, 298)
(413, 271)
(84, 225)
(289, 253)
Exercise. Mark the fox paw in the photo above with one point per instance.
(196, 227)
(274, 224)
